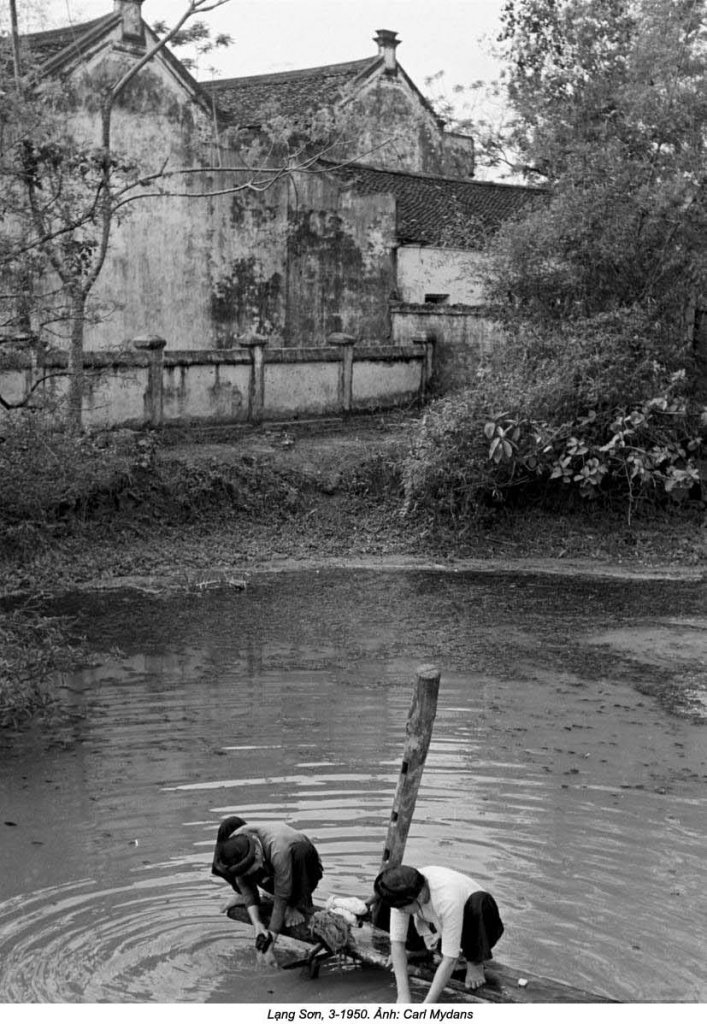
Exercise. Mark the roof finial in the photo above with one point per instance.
(131, 14)
(387, 42)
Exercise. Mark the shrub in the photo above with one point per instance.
(50, 477)
(594, 411)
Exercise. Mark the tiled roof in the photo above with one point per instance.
(445, 212)
(254, 99)
(44, 46)
(53, 49)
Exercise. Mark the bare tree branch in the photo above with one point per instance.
(195, 7)
(25, 401)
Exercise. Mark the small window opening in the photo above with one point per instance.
(435, 299)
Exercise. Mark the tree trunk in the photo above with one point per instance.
(15, 44)
(74, 411)
(699, 344)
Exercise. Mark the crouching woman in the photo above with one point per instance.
(449, 911)
(275, 858)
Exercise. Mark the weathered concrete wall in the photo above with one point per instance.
(115, 386)
(219, 386)
(464, 337)
(115, 394)
(17, 373)
(303, 388)
(200, 387)
(340, 268)
(297, 261)
(424, 270)
(219, 262)
(388, 125)
(385, 380)
(459, 156)
(147, 282)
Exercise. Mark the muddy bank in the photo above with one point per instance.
(222, 502)
(201, 580)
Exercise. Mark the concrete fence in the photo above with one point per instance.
(465, 336)
(149, 385)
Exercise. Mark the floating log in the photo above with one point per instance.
(370, 947)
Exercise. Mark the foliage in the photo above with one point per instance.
(591, 411)
(594, 396)
(610, 110)
(198, 36)
(33, 650)
(53, 478)
(56, 484)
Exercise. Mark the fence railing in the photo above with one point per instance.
(147, 384)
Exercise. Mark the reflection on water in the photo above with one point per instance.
(557, 777)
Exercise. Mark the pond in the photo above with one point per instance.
(566, 773)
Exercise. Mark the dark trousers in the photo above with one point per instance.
(306, 875)
(482, 927)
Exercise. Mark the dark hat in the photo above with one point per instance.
(396, 887)
(238, 854)
(227, 826)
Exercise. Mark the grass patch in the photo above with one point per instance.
(34, 651)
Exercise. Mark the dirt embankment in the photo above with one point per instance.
(322, 493)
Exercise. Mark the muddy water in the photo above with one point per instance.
(567, 773)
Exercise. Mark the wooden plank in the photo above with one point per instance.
(371, 946)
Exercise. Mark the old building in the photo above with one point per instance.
(380, 238)
(378, 115)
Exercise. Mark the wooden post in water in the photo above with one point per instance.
(418, 732)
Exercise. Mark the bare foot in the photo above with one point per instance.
(293, 917)
(475, 976)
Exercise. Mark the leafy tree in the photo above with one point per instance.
(611, 112)
(594, 395)
(197, 36)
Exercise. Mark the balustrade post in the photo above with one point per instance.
(256, 399)
(154, 346)
(345, 392)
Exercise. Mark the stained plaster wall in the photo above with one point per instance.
(340, 263)
(384, 383)
(299, 262)
(297, 389)
(15, 382)
(425, 270)
(142, 388)
(295, 262)
(387, 124)
(147, 281)
(465, 336)
(242, 270)
(197, 390)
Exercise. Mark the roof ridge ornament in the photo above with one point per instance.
(130, 11)
(387, 41)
